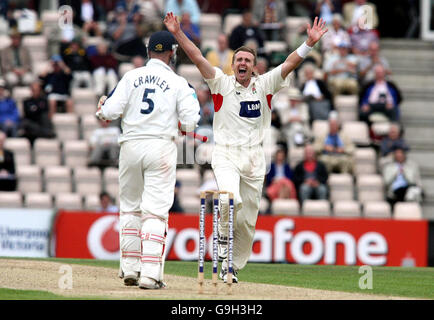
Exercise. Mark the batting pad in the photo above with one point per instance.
(130, 245)
(153, 240)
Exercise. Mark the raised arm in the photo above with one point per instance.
(314, 34)
(193, 52)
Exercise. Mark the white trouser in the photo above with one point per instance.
(103, 78)
(147, 175)
(240, 171)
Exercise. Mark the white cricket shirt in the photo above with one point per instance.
(242, 115)
(151, 100)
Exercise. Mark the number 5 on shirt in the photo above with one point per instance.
(148, 101)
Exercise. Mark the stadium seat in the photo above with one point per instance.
(264, 205)
(295, 155)
(38, 48)
(377, 209)
(190, 204)
(85, 109)
(84, 96)
(87, 180)
(365, 161)
(58, 179)
(208, 175)
(75, 153)
(206, 44)
(347, 107)
(88, 124)
(124, 67)
(111, 182)
(210, 25)
(50, 21)
(5, 40)
(341, 187)
(287, 207)
(11, 199)
(29, 178)
(347, 209)
(275, 46)
(230, 21)
(317, 208)
(38, 200)
(370, 187)
(91, 202)
(320, 128)
(293, 24)
(19, 94)
(21, 149)
(191, 73)
(407, 211)
(47, 152)
(357, 131)
(66, 126)
(188, 191)
(381, 128)
(188, 177)
(68, 201)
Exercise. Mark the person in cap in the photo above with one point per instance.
(151, 100)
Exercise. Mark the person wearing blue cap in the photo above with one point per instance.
(151, 100)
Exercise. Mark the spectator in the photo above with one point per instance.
(57, 86)
(222, 57)
(16, 62)
(271, 15)
(36, 122)
(380, 97)
(104, 66)
(389, 143)
(336, 34)
(276, 122)
(190, 29)
(335, 149)
(86, 16)
(127, 36)
(361, 39)
(138, 61)
(402, 179)
(77, 61)
(317, 95)
(355, 14)
(325, 9)
(8, 179)
(310, 177)
(132, 7)
(178, 7)
(9, 115)
(368, 62)
(106, 203)
(261, 65)
(176, 206)
(296, 120)
(341, 70)
(278, 181)
(152, 13)
(104, 145)
(247, 30)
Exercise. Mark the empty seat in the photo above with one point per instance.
(21, 149)
(320, 128)
(341, 186)
(347, 209)
(188, 177)
(275, 46)
(75, 153)
(287, 207)
(316, 208)
(11, 199)
(407, 211)
(29, 178)
(377, 209)
(47, 152)
(188, 191)
(208, 175)
(370, 187)
(87, 180)
(293, 24)
(111, 181)
(295, 155)
(68, 201)
(58, 179)
(231, 21)
(38, 48)
(19, 94)
(91, 202)
(347, 107)
(210, 25)
(66, 126)
(88, 124)
(264, 204)
(191, 73)
(357, 131)
(38, 200)
(85, 108)
(124, 67)
(84, 96)
(190, 204)
(365, 161)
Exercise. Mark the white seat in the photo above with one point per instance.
(111, 182)
(208, 175)
(188, 191)
(83, 108)
(76, 153)
(19, 94)
(58, 179)
(190, 204)
(38, 48)
(88, 124)
(377, 209)
(11, 199)
(357, 131)
(320, 128)
(84, 96)
(124, 67)
(231, 21)
(38, 200)
(370, 187)
(5, 40)
(287, 207)
(21, 149)
(191, 73)
(91, 202)
(47, 152)
(292, 25)
(341, 186)
(295, 155)
(275, 46)
(347, 209)
(68, 201)
(29, 178)
(317, 208)
(365, 161)
(263, 205)
(210, 25)
(66, 126)
(347, 107)
(407, 211)
(87, 180)
(188, 177)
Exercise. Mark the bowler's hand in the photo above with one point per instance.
(172, 23)
(315, 32)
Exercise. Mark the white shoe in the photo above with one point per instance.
(222, 247)
(148, 283)
(224, 276)
(130, 278)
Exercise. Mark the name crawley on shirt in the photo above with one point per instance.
(151, 79)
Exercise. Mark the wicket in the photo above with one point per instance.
(202, 240)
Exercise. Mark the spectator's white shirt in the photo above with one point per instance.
(150, 100)
(242, 115)
(311, 89)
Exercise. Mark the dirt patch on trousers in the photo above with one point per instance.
(100, 282)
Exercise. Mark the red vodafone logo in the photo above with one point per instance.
(103, 238)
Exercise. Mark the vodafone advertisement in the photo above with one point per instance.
(302, 240)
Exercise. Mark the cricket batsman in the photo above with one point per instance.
(151, 100)
(242, 115)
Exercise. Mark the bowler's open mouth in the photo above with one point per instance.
(242, 71)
